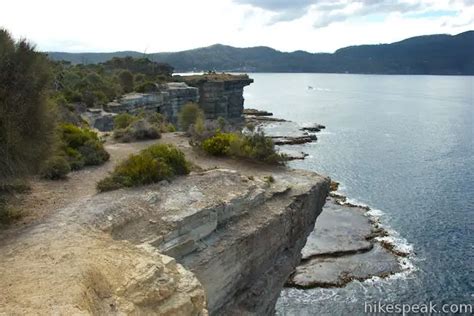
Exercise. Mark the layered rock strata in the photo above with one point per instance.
(237, 239)
(221, 96)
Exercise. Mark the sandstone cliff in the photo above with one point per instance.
(238, 238)
(220, 95)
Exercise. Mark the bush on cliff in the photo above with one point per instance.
(255, 146)
(189, 115)
(151, 165)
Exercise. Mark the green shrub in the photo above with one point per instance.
(26, 115)
(93, 152)
(123, 120)
(55, 168)
(155, 118)
(75, 159)
(151, 165)
(170, 128)
(82, 146)
(255, 146)
(138, 130)
(188, 115)
(8, 214)
(220, 144)
(171, 155)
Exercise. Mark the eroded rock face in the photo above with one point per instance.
(221, 98)
(69, 270)
(238, 239)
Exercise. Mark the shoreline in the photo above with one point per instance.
(382, 243)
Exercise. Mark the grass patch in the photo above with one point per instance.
(151, 165)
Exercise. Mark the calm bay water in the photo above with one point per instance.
(400, 144)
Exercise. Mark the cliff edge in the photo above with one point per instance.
(215, 241)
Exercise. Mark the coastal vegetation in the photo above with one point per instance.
(142, 126)
(190, 114)
(26, 113)
(253, 146)
(151, 165)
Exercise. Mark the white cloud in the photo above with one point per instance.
(172, 25)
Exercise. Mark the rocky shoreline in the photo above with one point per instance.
(347, 243)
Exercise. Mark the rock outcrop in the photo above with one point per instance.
(221, 95)
(236, 240)
(344, 246)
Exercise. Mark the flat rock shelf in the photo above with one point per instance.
(345, 245)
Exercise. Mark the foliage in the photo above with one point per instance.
(123, 120)
(126, 81)
(144, 125)
(97, 84)
(26, 116)
(220, 144)
(140, 65)
(151, 165)
(146, 87)
(56, 167)
(139, 129)
(189, 114)
(254, 146)
(171, 155)
(81, 147)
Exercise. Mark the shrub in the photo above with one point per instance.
(7, 213)
(189, 114)
(171, 155)
(255, 146)
(123, 120)
(138, 130)
(170, 128)
(93, 152)
(151, 165)
(26, 116)
(82, 146)
(220, 144)
(55, 168)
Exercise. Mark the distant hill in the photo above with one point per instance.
(431, 54)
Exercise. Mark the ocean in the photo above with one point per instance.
(403, 145)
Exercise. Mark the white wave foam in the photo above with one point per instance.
(399, 243)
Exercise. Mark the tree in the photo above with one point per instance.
(126, 81)
(26, 122)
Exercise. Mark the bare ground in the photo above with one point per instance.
(47, 196)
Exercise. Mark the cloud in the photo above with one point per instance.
(326, 12)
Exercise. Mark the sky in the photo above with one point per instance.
(175, 25)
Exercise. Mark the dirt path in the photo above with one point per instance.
(46, 196)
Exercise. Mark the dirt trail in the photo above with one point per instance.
(46, 196)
